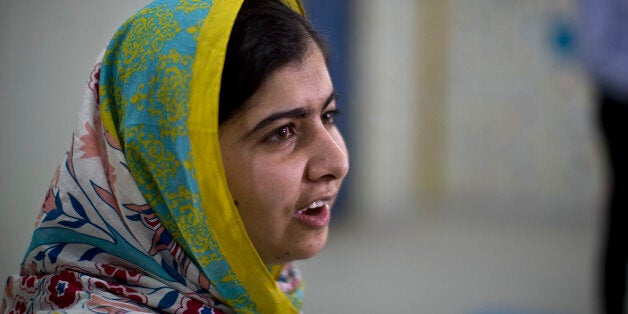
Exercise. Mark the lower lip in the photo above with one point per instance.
(320, 220)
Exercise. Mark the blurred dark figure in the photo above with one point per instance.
(604, 31)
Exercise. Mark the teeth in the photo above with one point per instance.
(315, 204)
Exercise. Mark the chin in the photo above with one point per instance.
(307, 248)
(299, 249)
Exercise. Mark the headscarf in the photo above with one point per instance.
(138, 216)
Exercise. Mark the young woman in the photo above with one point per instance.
(205, 161)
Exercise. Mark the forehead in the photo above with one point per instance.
(306, 83)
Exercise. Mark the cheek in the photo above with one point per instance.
(271, 181)
(279, 176)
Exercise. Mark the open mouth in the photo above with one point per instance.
(313, 210)
(316, 214)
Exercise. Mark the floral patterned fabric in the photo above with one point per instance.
(138, 216)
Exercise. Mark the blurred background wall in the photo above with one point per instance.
(476, 102)
(476, 183)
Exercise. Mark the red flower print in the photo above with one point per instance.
(19, 306)
(119, 273)
(64, 288)
(94, 78)
(99, 304)
(121, 291)
(189, 306)
(29, 283)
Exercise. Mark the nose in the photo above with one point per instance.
(329, 158)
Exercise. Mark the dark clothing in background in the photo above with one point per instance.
(604, 30)
(614, 124)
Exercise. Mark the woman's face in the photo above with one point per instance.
(285, 160)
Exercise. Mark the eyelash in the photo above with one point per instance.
(286, 132)
(330, 115)
(282, 134)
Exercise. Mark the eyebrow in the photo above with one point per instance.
(297, 113)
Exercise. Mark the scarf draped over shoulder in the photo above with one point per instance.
(138, 217)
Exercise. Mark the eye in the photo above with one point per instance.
(329, 117)
(281, 134)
